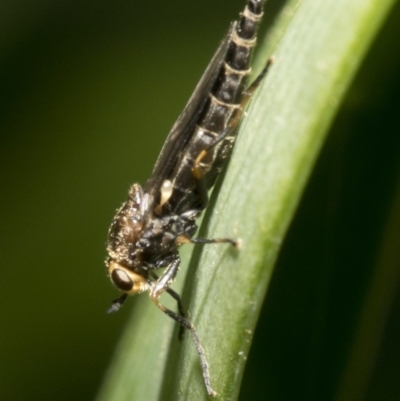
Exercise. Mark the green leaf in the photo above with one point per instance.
(318, 45)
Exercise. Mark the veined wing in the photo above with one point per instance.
(184, 126)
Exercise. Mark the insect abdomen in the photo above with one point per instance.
(219, 112)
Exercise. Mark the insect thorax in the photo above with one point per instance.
(140, 240)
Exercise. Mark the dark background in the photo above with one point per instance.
(333, 305)
(88, 92)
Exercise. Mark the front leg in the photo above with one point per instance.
(161, 285)
(167, 278)
(178, 300)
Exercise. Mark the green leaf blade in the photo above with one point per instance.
(317, 54)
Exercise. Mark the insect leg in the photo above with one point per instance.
(234, 122)
(162, 284)
(159, 287)
(117, 303)
(197, 169)
(184, 239)
(248, 93)
(233, 242)
(200, 350)
(174, 295)
(178, 300)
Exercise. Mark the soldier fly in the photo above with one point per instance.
(158, 218)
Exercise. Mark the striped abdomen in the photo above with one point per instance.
(221, 113)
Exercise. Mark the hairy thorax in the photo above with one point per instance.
(140, 240)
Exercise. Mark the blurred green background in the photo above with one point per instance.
(88, 92)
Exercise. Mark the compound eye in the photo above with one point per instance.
(121, 280)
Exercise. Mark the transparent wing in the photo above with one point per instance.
(184, 126)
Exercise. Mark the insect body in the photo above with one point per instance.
(160, 217)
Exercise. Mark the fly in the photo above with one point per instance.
(158, 218)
